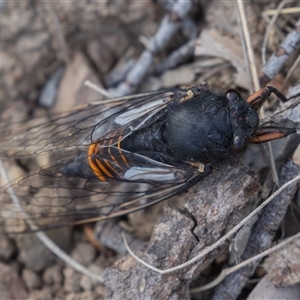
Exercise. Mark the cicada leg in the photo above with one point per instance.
(265, 134)
(257, 99)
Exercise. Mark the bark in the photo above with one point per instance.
(213, 207)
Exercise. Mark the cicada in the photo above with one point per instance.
(106, 161)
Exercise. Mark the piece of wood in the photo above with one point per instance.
(213, 207)
(262, 235)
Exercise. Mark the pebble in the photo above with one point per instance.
(53, 275)
(82, 296)
(34, 255)
(43, 294)
(11, 285)
(31, 279)
(84, 253)
(7, 247)
(72, 280)
(87, 283)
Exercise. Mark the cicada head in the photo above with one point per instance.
(243, 117)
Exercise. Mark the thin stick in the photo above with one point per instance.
(43, 237)
(249, 49)
(285, 11)
(254, 78)
(290, 72)
(219, 242)
(275, 63)
(228, 271)
(97, 88)
(268, 31)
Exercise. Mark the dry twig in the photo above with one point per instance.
(172, 22)
(275, 63)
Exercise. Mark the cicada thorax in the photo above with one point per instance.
(204, 128)
(199, 129)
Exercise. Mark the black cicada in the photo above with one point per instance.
(136, 151)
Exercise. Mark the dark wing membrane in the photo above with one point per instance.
(83, 126)
(66, 190)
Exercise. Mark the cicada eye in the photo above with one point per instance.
(239, 143)
(233, 96)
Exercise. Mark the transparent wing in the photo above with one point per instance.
(81, 127)
(53, 199)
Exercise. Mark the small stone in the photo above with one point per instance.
(81, 296)
(72, 280)
(31, 279)
(44, 294)
(11, 285)
(84, 253)
(53, 275)
(7, 248)
(88, 283)
(34, 255)
(100, 290)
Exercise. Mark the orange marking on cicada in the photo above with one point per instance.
(94, 166)
(256, 96)
(102, 166)
(120, 151)
(113, 159)
(111, 156)
(269, 134)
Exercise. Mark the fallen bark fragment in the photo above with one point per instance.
(262, 235)
(214, 206)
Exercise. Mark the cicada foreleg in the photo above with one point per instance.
(257, 99)
(266, 134)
